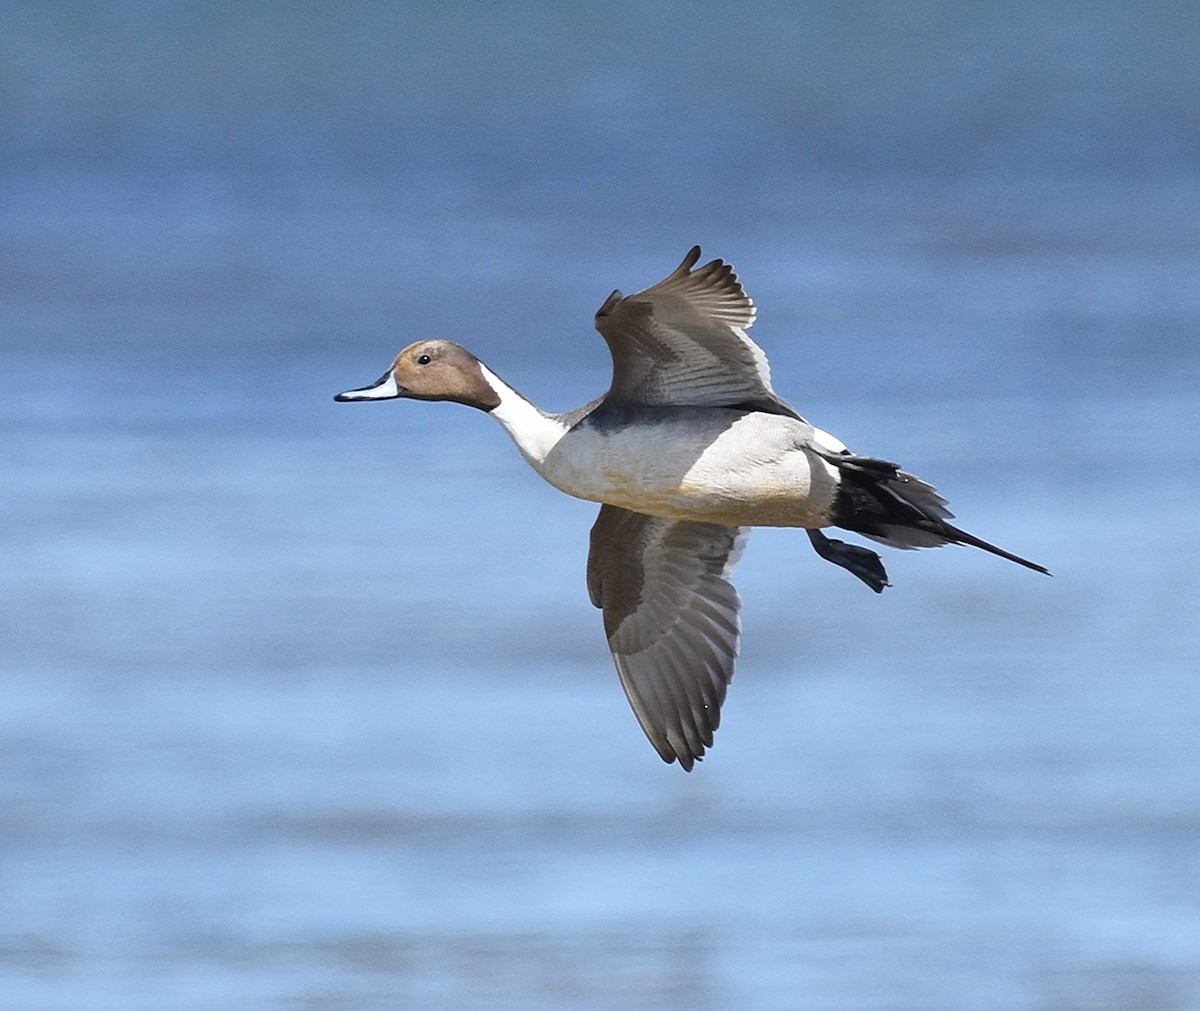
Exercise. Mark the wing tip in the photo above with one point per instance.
(610, 304)
(686, 762)
(717, 286)
(689, 261)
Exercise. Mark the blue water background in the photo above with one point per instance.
(304, 703)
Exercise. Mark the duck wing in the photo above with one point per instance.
(671, 617)
(684, 342)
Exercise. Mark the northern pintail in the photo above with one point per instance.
(688, 449)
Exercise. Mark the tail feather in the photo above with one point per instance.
(879, 500)
(962, 537)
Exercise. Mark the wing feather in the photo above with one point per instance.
(684, 342)
(671, 617)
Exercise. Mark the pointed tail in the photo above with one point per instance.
(878, 500)
(959, 536)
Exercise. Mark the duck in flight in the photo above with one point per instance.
(689, 448)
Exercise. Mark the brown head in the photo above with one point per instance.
(432, 370)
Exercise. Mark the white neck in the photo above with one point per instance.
(534, 431)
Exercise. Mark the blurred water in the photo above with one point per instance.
(305, 702)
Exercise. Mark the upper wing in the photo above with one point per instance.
(684, 342)
(671, 617)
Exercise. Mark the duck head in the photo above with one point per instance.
(432, 370)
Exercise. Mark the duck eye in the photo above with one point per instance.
(423, 359)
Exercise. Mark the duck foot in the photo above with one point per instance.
(862, 562)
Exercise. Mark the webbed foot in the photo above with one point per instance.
(862, 562)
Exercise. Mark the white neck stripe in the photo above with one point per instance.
(535, 432)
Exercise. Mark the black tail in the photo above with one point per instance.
(879, 500)
(962, 537)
